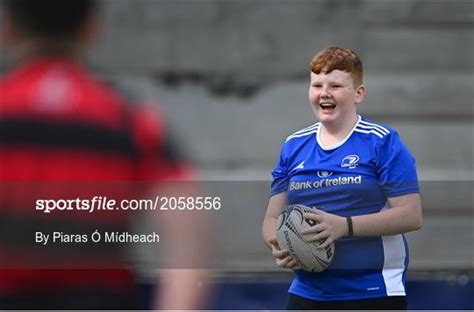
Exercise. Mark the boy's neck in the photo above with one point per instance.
(45, 47)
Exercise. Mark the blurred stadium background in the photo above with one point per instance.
(232, 76)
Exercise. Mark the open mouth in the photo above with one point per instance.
(327, 106)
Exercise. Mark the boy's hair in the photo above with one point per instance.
(49, 18)
(337, 58)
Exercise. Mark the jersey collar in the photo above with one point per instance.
(331, 147)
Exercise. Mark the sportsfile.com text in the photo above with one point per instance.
(103, 203)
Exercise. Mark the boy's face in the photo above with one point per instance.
(333, 96)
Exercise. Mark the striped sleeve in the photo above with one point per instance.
(160, 156)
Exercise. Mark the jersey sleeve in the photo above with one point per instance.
(280, 174)
(160, 155)
(396, 167)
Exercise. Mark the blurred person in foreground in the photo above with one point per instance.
(368, 195)
(59, 125)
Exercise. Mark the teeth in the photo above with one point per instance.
(327, 105)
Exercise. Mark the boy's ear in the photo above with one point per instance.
(90, 31)
(360, 93)
(8, 32)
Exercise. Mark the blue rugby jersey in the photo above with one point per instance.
(353, 178)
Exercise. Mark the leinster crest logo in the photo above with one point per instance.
(324, 174)
(350, 161)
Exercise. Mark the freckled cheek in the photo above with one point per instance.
(313, 97)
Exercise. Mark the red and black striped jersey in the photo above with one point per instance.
(63, 133)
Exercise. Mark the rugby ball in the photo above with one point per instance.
(289, 226)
